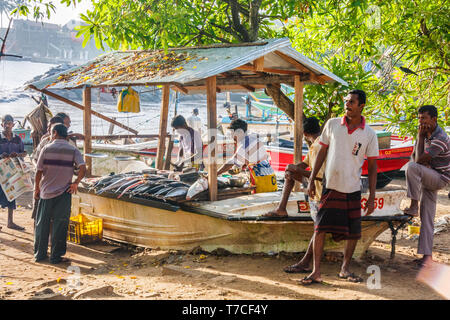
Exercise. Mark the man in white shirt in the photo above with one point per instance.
(195, 122)
(191, 145)
(345, 142)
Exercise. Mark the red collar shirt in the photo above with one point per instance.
(347, 150)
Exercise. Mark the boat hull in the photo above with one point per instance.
(171, 227)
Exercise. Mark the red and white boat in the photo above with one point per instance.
(389, 163)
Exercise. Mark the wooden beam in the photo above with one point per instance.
(226, 88)
(124, 136)
(298, 65)
(292, 61)
(81, 107)
(163, 127)
(249, 88)
(179, 87)
(247, 67)
(281, 71)
(267, 70)
(246, 87)
(251, 80)
(298, 124)
(87, 129)
(281, 100)
(258, 64)
(168, 154)
(211, 104)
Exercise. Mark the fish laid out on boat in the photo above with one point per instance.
(151, 186)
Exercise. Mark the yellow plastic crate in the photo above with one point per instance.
(413, 230)
(83, 230)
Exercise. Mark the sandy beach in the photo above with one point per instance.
(108, 270)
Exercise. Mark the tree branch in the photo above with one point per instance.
(254, 19)
(237, 21)
(242, 9)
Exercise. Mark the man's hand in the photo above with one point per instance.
(36, 193)
(423, 130)
(73, 188)
(370, 205)
(311, 188)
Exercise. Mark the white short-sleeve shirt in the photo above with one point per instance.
(186, 144)
(347, 150)
(250, 152)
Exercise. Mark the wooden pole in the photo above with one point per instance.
(87, 129)
(211, 105)
(168, 154)
(163, 127)
(298, 124)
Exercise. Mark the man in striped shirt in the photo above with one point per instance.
(428, 172)
(54, 187)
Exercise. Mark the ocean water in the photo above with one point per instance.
(16, 101)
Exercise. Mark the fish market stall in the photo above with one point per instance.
(157, 208)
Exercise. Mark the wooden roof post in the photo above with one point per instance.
(87, 129)
(298, 124)
(212, 136)
(163, 127)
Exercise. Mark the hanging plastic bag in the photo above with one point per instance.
(128, 101)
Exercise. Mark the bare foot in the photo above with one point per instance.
(276, 213)
(297, 268)
(15, 227)
(350, 276)
(311, 279)
(411, 211)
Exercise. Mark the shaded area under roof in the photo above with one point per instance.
(188, 67)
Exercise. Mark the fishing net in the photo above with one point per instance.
(38, 118)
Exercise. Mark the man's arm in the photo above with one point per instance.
(37, 181)
(73, 188)
(420, 156)
(372, 168)
(76, 136)
(224, 168)
(317, 165)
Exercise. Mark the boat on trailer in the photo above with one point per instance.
(234, 224)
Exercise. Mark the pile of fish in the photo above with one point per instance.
(141, 185)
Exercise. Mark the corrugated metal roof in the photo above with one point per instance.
(180, 65)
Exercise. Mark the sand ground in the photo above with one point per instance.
(108, 270)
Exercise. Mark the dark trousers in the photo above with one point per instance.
(57, 211)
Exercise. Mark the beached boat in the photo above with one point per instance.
(233, 224)
(389, 163)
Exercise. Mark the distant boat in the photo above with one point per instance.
(25, 135)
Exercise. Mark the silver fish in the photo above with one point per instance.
(115, 184)
(130, 187)
(177, 192)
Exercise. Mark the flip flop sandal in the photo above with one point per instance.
(309, 281)
(61, 260)
(296, 269)
(351, 277)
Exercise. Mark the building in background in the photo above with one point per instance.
(48, 42)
